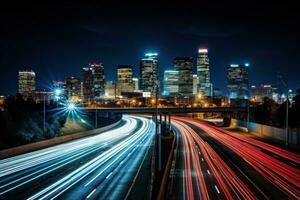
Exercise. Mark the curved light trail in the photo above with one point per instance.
(283, 176)
(83, 167)
(195, 147)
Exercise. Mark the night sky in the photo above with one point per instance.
(57, 40)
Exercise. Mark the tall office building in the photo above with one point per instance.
(291, 95)
(170, 83)
(73, 88)
(26, 84)
(238, 81)
(99, 80)
(87, 84)
(110, 90)
(135, 82)
(184, 66)
(148, 72)
(259, 92)
(203, 72)
(195, 84)
(124, 79)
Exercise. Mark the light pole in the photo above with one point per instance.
(44, 130)
(96, 118)
(157, 128)
(285, 84)
(248, 113)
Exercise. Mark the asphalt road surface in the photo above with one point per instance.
(212, 163)
(97, 167)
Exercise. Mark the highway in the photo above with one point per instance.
(213, 163)
(97, 167)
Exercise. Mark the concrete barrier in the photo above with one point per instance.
(163, 185)
(265, 131)
(53, 141)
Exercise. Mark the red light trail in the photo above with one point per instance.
(231, 185)
(283, 176)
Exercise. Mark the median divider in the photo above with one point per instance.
(164, 180)
(53, 141)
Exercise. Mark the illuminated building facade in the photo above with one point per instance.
(124, 79)
(170, 83)
(195, 84)
(135, 82)
(110, 90)
(73, 88)
(184, 66)
(203, 72)
(98, 80)
(259, 92)
(148, 72)
(87, 84)
(26, 86)
(238, 81)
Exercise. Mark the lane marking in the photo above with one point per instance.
(294, 164)
(91, 194)
(275, 156)
(202, 159)
(109, 175)
(218, 191)
(121, 162)
(208, 172)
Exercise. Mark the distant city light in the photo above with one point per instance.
(247, 64)
(267, 86)
(171, 71)
(151, 54)
(234, 65)
(202, 50)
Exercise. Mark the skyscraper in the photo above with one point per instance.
(258, 92)
(195, 84)
(203, 72)
(110, 90)
(73, 87)
(87, 84)
(26, 84)
(124, 79)
(170, 83)
(135, 84)
(184, 66)
(99, 80)
(148, 72)
(237, 81)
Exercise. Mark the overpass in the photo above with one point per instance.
(169, 110)
(166, 112)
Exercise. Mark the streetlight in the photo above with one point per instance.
(285, 84)
(248, 113)
(57, 92)
(71, 106)
(157, 133)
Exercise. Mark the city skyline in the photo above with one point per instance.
(226, 31)
(150, 100)
(136, 73)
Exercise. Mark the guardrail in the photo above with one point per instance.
(53, 141)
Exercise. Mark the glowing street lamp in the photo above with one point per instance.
(57, 92)
(71, 106)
